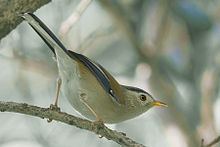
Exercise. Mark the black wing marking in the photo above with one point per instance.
(97, 72)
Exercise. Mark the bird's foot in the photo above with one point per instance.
(98, 124)
(53, 108)
(98, 121)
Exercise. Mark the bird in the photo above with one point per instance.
(88, 86)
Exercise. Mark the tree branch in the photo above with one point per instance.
(52, 114)
(214, 142)
(74, 17)
(9, 10)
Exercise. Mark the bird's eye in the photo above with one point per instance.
(143, 97)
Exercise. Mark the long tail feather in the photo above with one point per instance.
(44, 32)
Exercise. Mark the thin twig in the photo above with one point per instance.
(215, 141)
(74, 18)
(163, 26)
(52, 114)
(202, 143)
(91, 39)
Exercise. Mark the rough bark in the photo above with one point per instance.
(10, 10)
(54, 114)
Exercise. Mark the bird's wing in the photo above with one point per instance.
(110, 85)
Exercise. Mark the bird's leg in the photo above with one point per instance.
(98, 119)
(59, 82)
(55, 105)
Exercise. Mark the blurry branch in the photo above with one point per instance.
(37, 66)
(74, 18)
(9, 11)
(122, 21)
(52, 114)
(214, 142)
(160, 79)
(163, 27)
(209, 91)
(94, 37)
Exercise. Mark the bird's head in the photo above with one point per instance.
(140, 100)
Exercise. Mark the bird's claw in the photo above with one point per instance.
(53, 108)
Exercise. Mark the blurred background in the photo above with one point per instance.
(170, 48)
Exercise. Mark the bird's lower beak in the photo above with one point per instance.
(158, 103)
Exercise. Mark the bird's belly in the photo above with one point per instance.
(80, 87)
(80, 92)
(80, 98)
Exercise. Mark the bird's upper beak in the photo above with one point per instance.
(158, 103)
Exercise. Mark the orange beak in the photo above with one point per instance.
(158, 103)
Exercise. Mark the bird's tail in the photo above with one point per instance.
(44, 32)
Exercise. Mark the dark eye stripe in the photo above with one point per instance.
(136, 90)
